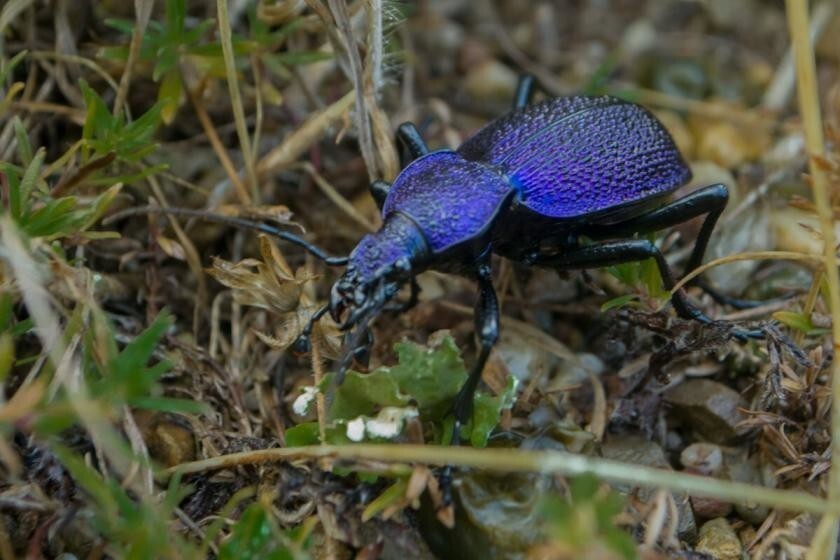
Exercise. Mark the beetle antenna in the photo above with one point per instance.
(241, 223)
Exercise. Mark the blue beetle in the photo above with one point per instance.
(528, 186)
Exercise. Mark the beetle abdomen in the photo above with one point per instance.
(570, 157)
(451, 199)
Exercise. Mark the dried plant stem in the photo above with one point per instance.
(236, 97)
(216, 142)
(809, 109)
(517, 460)
(749, 256)
(337, 198)
(320, 401)
(338, 8)
(143, 11)
(301, 139)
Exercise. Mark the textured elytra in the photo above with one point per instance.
(576, 156)
(451, 199)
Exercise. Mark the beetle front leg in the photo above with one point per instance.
(487, 330)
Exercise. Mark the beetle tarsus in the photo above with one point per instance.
(303, 343)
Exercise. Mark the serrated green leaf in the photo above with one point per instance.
(362, 393)
(431, 376)
(487, 411)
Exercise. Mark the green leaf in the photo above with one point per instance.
(362, 393)
(50, 219)
(299, 58)
(16, 202)
(176, 14)
(303, 434)
(167, 404)
(255, 537)
(24, 147)
(7, 355)
(619, 301)
(169, 95)
(6, 68)
(487, 411)
(432, 376)
(799, 321)
(30, 177)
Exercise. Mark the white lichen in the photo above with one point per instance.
(389, 422)
(356, 429)
(305, 400)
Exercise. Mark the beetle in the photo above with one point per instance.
(565, 184)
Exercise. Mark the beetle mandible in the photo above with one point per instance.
(530, 187)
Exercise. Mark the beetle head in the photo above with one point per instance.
(379, 266)
(357, 297)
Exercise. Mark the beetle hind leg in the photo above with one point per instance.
(710, 201)
(611, 253)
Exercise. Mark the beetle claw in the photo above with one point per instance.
(302, 345)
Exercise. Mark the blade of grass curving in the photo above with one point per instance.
(809, 109)
(236, 98)
(518, 460)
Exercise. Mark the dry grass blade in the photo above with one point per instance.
(143, 12)
(11, 11)
(518, 460)
(338, 9)
(809, 108)
(301, 139)
(236, 97)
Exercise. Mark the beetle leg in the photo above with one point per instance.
(413, 298)
(709, 200)
(524, 91)
(611, 253)
(303, 343)
(411, 140)
(487, 329)
(379, 190)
